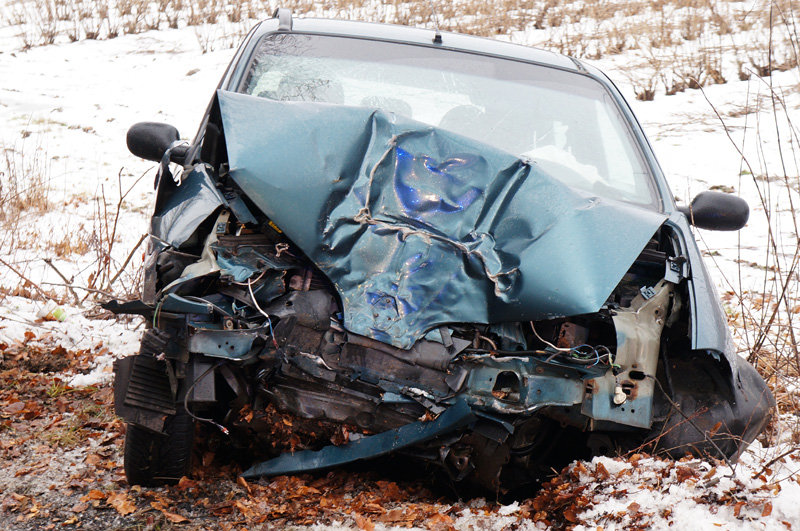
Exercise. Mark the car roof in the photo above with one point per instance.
(419, 36)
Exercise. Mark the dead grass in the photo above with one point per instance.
(73, 243)
(24, 189)
(24, 186)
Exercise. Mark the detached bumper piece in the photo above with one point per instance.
(452, 419)
(142, 391)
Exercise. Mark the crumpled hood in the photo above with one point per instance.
(417, 227)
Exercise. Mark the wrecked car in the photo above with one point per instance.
(388, 239)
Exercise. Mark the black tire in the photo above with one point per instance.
(153, 459)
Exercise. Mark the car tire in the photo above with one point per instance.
(152, 458)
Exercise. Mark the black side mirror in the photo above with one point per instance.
(150, 140)
(717, 211)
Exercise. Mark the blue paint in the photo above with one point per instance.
(450, 229)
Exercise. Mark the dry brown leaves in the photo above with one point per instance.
(361, 498)
(40, 415)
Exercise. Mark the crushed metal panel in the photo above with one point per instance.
(534, 383)
(186, 207)
(418, 227)
(626, 396)
(227, 344)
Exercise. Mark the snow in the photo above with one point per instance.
(72, 103)
(669, 501)
(115, 338)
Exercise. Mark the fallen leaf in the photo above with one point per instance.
(94, 494)
(246, 511)
(243, 483)
(767, 509)
(738, 509)
(633, 508)
(121, 502)
(79, 507)
(174, 518)
(186, 483)
(13, 409)
(364, 523)
(439, 521)
(394, 515)
(684, 472)
(713, 431)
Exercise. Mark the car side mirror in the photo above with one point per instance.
(717, 211)
(150, 140)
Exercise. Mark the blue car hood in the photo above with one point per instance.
(417, 227)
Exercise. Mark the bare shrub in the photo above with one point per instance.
(643, 77)
(47, 21)
(25, 183)
(106, 228)
(692, 25)
(766, 319)
(24, 187)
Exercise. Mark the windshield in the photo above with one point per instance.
(566, 123)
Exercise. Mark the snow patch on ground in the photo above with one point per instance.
(112, 337)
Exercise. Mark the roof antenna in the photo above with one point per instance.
(437, 38)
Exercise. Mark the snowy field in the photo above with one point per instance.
(65, 109)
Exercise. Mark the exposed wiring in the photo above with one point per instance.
(221, 428)
(156, 313)
(204, 301)
(491, 343)
(586, 357)
(265, 314)
(584, 354)
(264, 272)
(559, 349)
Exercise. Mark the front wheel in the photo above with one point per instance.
(153, 458)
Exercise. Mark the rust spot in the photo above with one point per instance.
(571, 335)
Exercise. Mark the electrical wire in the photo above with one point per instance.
(591, 357)
(559, 349)
(221, 428)
(157, 314)
(204, 301)
(264, 272)
(262, 312)
(491, 343)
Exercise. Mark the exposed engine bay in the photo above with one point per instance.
(266, 331)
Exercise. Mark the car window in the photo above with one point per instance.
(566, 123)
